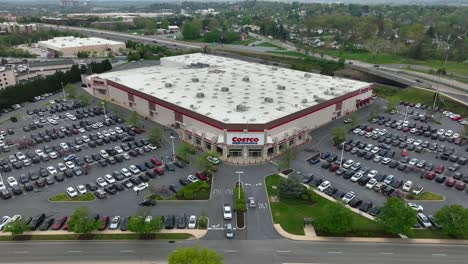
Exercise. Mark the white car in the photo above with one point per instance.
(356, 177)
(51, 170)
(370, 184)
(348, 164)
(103, 154)
(323, 186)
(82, 130)
(12, 181)
(119, 149)
(112, 132)
(20, 156)
(368, 147)
(64, 146)
(101, 182)
(118, 130)
(414, 130)
(416, 207)
(386, 160)
(140, 187)
(441, 132)
(407, 186)
(126, 156)
(53, 155)
(85, 139)
(2, 186)
(126, 172)
(81, 189)
(449, 133)
(348, 197)
(377, 158)
(109, 178)
(417, 142)
(192, 223)
(106, 133)
(213, 160)
(72, 192)
(4, 221)
(192, 178)
(114, 223)
(227, 213)
(152, 147)
(39, 152)
(375, 150)
(455, 135)
(70, 164)
(14, 218)
(61, 167)
(413, 162)
(372, 173)
(383, 132)
(356, 131)
(134, 169)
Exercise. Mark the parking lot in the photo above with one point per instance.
(387, 146)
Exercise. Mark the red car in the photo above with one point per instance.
(450, 182)
(460, 185)
(200, 175)
(457, 118)
(369, 129)
(334, 167)
(59, 222)
(159, 171)
(430, 175)
(156, 161)
(405, 129)
(137, 130)
(439, 169)
(104, 222)
(404, 153)
(75, 131)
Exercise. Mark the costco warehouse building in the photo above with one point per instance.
(245, 111)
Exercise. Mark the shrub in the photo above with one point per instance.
(239, 202)
(188, 192)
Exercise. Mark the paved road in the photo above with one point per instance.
(235, 251)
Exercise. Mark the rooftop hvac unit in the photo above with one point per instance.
(200, 95)
(281, 87)
(224, 89)
(168, 85)
(246, 79)
(269, 99)
(274, 68)
(304, 101)
(315, 96)
(195, 80)
(241, 108)
(307, 75)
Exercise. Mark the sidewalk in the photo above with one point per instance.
(196, 233)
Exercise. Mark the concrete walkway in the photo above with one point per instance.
(196, 233)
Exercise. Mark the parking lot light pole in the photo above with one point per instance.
(342, 152)
(406, 113)
(64, 94)
(239, 175)
(1, 178)
(104, 107)
(173, 151)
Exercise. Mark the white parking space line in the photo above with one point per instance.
(230, 251)
(334, 252)
(21, 252)
(386, 253)
(74, 251)
(127, 251)
(439, 255)
(283, 251)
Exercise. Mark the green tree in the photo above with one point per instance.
(156, 135)
(291, 187)
(191, 30)
(396, 217)
(184, 150)
(454, 220)
(337, 221)
(338, 135)
(58, 54)
(137, 224)
(82, 222)
(392, 102)
(165, 24)
(194, 255)
(202, 162)
(133, 118)
(70, 90)
(17, 227)
(464, 132)
(84, 99)
(286, 158)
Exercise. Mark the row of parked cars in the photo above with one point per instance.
(453, 116)
(43, 223)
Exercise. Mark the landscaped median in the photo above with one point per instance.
(425, 196)
(199, 190)
(63, 197)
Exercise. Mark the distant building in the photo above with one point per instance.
(13, 27)
(70, 46)
(173, 29)
(7, 78)
(73, 3)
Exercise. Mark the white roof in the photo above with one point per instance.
(233, 91)
(72, 42)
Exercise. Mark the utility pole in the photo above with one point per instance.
(406, 113)
(64, 94)
(173, 151)
(342, 152)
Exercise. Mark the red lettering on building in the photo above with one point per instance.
(245, 140)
